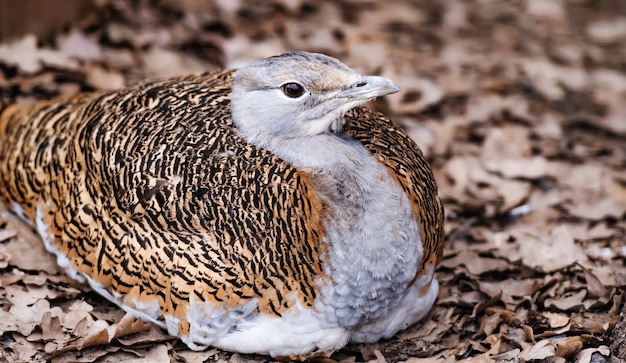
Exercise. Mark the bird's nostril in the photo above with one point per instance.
(360, 84)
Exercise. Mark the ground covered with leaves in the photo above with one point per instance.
(519, 105)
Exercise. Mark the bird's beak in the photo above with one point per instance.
(369, 87)
(365, 89)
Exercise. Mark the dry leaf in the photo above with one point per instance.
(77, 312)
(128, 325)
(571, 301)
(197, 357)
(597, 209)
(28, 252)
(556, 320)
(594, 285)
(607, 31)
(102, 79)
(552, 252)
(26, 55)
(569, 347)
(24, 318)
(475, 264)
(5, 257)
(161, 62)
(76, 44)
(541, 350)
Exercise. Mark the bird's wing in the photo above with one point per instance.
(150, 192)
(403, 158)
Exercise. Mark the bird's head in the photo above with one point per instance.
(299, 95)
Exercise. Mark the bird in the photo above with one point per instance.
(261, 210)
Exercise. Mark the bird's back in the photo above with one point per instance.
(150, 193)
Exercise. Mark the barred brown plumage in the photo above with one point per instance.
(212, 224)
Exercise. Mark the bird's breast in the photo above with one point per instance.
(373, 244)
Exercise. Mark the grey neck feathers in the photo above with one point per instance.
(372, 237)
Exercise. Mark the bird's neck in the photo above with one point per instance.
(372, 239)
(325, 151)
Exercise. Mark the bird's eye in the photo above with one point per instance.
(293, 90)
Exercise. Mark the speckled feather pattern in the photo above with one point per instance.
(150, 192)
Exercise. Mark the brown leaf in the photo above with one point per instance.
(514, 291)
(25, 54)
(51, 327)
(429, 91)
(147, 336)
(607, 31)
(103, 79)
(197, 357)
(5, 234)
(4, 257)
(513, 192)
(475, 263)
(541, 350)
(548, 253)
(569, 347)
(506, 356)
(487, 356)
(506, 150)
(594, 323)
(571, 301)
(76, 44)
(87, 355)
(489, 324)
(523, 167)
(597, 209)
(530, 333)
(554, 10)
(128, 325)
(556, 320)
(586, 355)
(157, 354)
(77, 312)
(161, 62)
(28, 296)
(23, 351)
(96, 333)
(594, 285)
(27, 250)
(551, 79)
(24, 318)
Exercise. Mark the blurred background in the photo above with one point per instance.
(519, 105)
